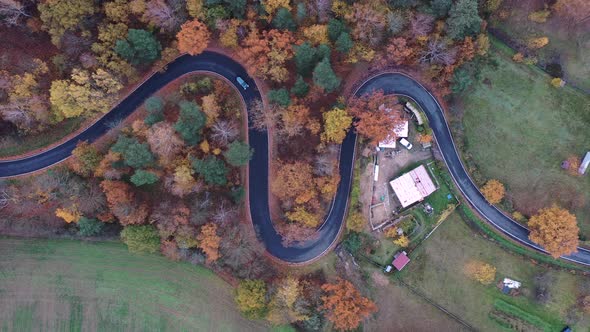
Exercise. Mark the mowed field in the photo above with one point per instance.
(518, 129)
(62, 285)
(437, 270)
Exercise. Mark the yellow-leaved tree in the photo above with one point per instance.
(536, 43)
(85, 93)
(355, 221)
(336, 122)
(282, 308)
(480, 271)
(272, 5)
(69, 215)
(251, 298)
(493, 191)
(555, 229)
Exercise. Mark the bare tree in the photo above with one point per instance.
(92, 199)
(224, 132)
(323, 165)
(422, 25)
(322, 9)
(437, 52)
(160, 14)
(164, 142)
(4, 198)
(261, 117)
(224, 213)
(11, 11)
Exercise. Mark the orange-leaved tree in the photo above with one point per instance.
(209, 241)
(294, 181)
(378, 115)
(345, 306)
(555, 229)
(493, 191)
(572, 164)
(193, 37)
(123, 204)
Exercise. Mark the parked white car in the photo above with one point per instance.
(406, 143)
(242, 83)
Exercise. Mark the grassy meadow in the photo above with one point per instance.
(517, 128)
(62, 285)
(437, 270)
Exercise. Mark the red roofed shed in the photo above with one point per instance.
(401, 260)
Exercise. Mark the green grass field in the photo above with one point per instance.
(62, 285)
(518, 129)
(568, 44)
(437, 270)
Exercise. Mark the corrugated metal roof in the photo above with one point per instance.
(413, 186)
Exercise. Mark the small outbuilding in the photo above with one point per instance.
(585, 163)
(400, 260)
(400, 131)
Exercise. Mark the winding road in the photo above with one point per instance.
(390, 83)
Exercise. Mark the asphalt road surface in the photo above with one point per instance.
(258, 177)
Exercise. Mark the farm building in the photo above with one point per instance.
(413, 186)
(585, 163)
(400, 260)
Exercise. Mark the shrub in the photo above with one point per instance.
(142, 238)
(480, 271)
(89, 227)
(540, 16)
(300, 88)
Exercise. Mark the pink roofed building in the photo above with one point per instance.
(413, 186)
(400, 261)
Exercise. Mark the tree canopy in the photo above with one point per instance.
(555, 229)
(190, 122)
(463, 19)
(336, 122)
(324, 76)
(283, 20)
(251, 298)
(493, 191)
(59, 16)
(89, 227)
(141, 177)
(141, 238)
(345, 306)
(212, 169)
(140, 47)
(135, 154)
(193, 37)
(238, 154)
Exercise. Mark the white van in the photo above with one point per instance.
(406, 143)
